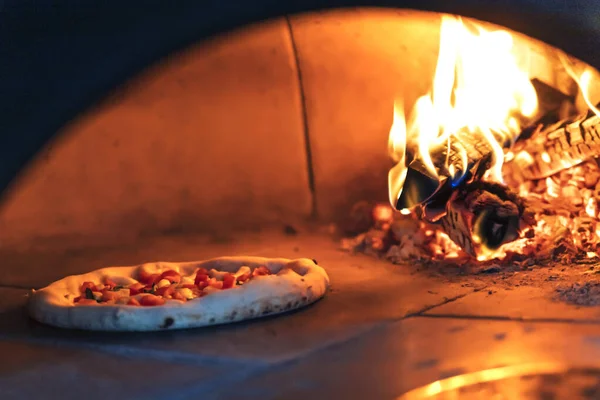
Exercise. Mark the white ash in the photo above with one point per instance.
(580, 294)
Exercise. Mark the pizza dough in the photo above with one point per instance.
(292, 284)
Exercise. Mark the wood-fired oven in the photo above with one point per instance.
(193, 130)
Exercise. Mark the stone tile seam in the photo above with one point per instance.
(431, 307)
(305, 125)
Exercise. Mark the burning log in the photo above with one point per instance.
(555, 148)
(465, 151)
(483, 216)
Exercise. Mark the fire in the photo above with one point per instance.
(584, 83)
(458, 138)
(583, 80)
(479, 95)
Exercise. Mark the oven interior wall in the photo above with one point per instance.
(269, 125)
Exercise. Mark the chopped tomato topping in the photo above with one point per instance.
(154, 278)
(133, 302)
(86, 301)
(179, 296)
(201, 277)
(228, 281)
(202, 285)
(150, 300)
(109, 292)
(170, 275)
(135, 288)
(259, 271)
(143, 275)
(166, 291)
(244, 277)
(86, 285)
(148, 278)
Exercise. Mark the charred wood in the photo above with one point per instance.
(464, 152)
(483, 216)
(555, 148)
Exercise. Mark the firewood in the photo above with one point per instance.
(484, 215)
(474, 145)
(555, 148)
(421, 186)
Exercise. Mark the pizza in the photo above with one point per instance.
(168, 295)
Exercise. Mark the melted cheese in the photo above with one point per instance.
(185, 292)
(187, 280)
(243, 270)
(218, 275)
(163, 283)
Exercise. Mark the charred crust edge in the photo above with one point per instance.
(169, 321)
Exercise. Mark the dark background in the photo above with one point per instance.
(58, 58)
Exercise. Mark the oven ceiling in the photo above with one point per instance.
(59, 57)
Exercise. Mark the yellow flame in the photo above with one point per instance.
(478, 92)
(583, 80)
(585, 84)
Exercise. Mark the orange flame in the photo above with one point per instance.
(478, 89)
(584, 80)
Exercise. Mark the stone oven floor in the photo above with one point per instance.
(381, 331)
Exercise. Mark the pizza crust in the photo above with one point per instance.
(294, 284)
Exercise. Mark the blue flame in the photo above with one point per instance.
(456, 182)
